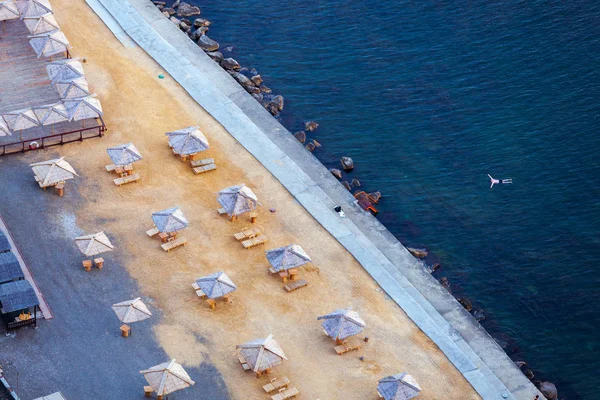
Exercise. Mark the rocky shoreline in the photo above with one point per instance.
(187, 18)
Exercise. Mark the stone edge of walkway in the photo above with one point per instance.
(435, 311)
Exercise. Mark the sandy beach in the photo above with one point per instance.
(140, 107)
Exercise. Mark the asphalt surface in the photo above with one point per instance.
(80, 351)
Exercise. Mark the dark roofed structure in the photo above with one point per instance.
(16, 296)
(4, 245)
(10, 269)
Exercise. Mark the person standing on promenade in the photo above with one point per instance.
(498, 181)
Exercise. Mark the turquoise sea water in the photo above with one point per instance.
(428, 97)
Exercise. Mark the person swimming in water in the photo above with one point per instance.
(498, 181)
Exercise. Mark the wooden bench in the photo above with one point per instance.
(204, 168)
(200, 163)
(260, 239)
(244, 363)
(286, 394)
(110, 168)
(290, 287)
(152, 232)
(346, 347)
(127, 179)
(247, 233)
(276, 384)
(180, 241)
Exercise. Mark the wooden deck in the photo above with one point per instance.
(24, 82)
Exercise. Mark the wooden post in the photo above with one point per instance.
(125, 330)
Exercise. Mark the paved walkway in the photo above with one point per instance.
(472, 351)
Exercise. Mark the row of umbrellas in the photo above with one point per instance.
(72, 109)
(24, 9)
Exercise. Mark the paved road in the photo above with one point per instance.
(80, 351)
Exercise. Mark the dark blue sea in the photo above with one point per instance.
(428, 97)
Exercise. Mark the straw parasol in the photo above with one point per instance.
(187, 141)
(167, 378)
(51, 114)
(237, 200)
(4, 131)
(216, 285)
(169, 220)
(341, 324)
(73, 89)
(20, 120)
(49, 43)
(124, 154)
(262, 354)
(401, 386)
(8, 10)
(33, 8)
(53, 171)
(94, 244)
(131, 311)
(287, 257)
(83, 108)
(39, 25)
(64, 70)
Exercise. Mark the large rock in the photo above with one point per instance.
(257, 79)
(160, 3)
(207, 44)
(252, 89)
(242, 79)
(376, 197)
(549, 390)
(466, 303)
(336, 172)
(175, 21)
(198, 22)
(317, 144)
(478, 314)
(202, 30)
(169, 10)
(187, 10)
(310, 126)
(184, 27)
(258, 97)
(215, 55)
(355, 183)
(166, 14)
(301, 136)
(347, 185)
(194, 35)
(176, 4)
(230, 64)
(272, 108)
(310, 147)
(265, 89)
(419, 253)
(445, 282)
(347, 163)
(278, 101)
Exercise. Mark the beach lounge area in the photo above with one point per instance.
(201, 338)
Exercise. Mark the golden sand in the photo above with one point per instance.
(139, 107)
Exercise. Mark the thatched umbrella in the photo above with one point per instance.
(131, 311)
(287, 257)
(341, 324)
(83, 108)
(49, 44)
(40, 25)
(64, 70)
(401, 386)
(216, 285)
(92, 245)
(167, 378)
(53, 171)
(8, 10)
(4, 131)
(33, 8)
(124, 154)
(187, 141)
(262, 354)
(73, 89)
(51, 114)
(169, 220)
(237, 200)
(21, 120)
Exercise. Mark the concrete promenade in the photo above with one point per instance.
(466, 344)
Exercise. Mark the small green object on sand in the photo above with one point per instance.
(161, 76)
